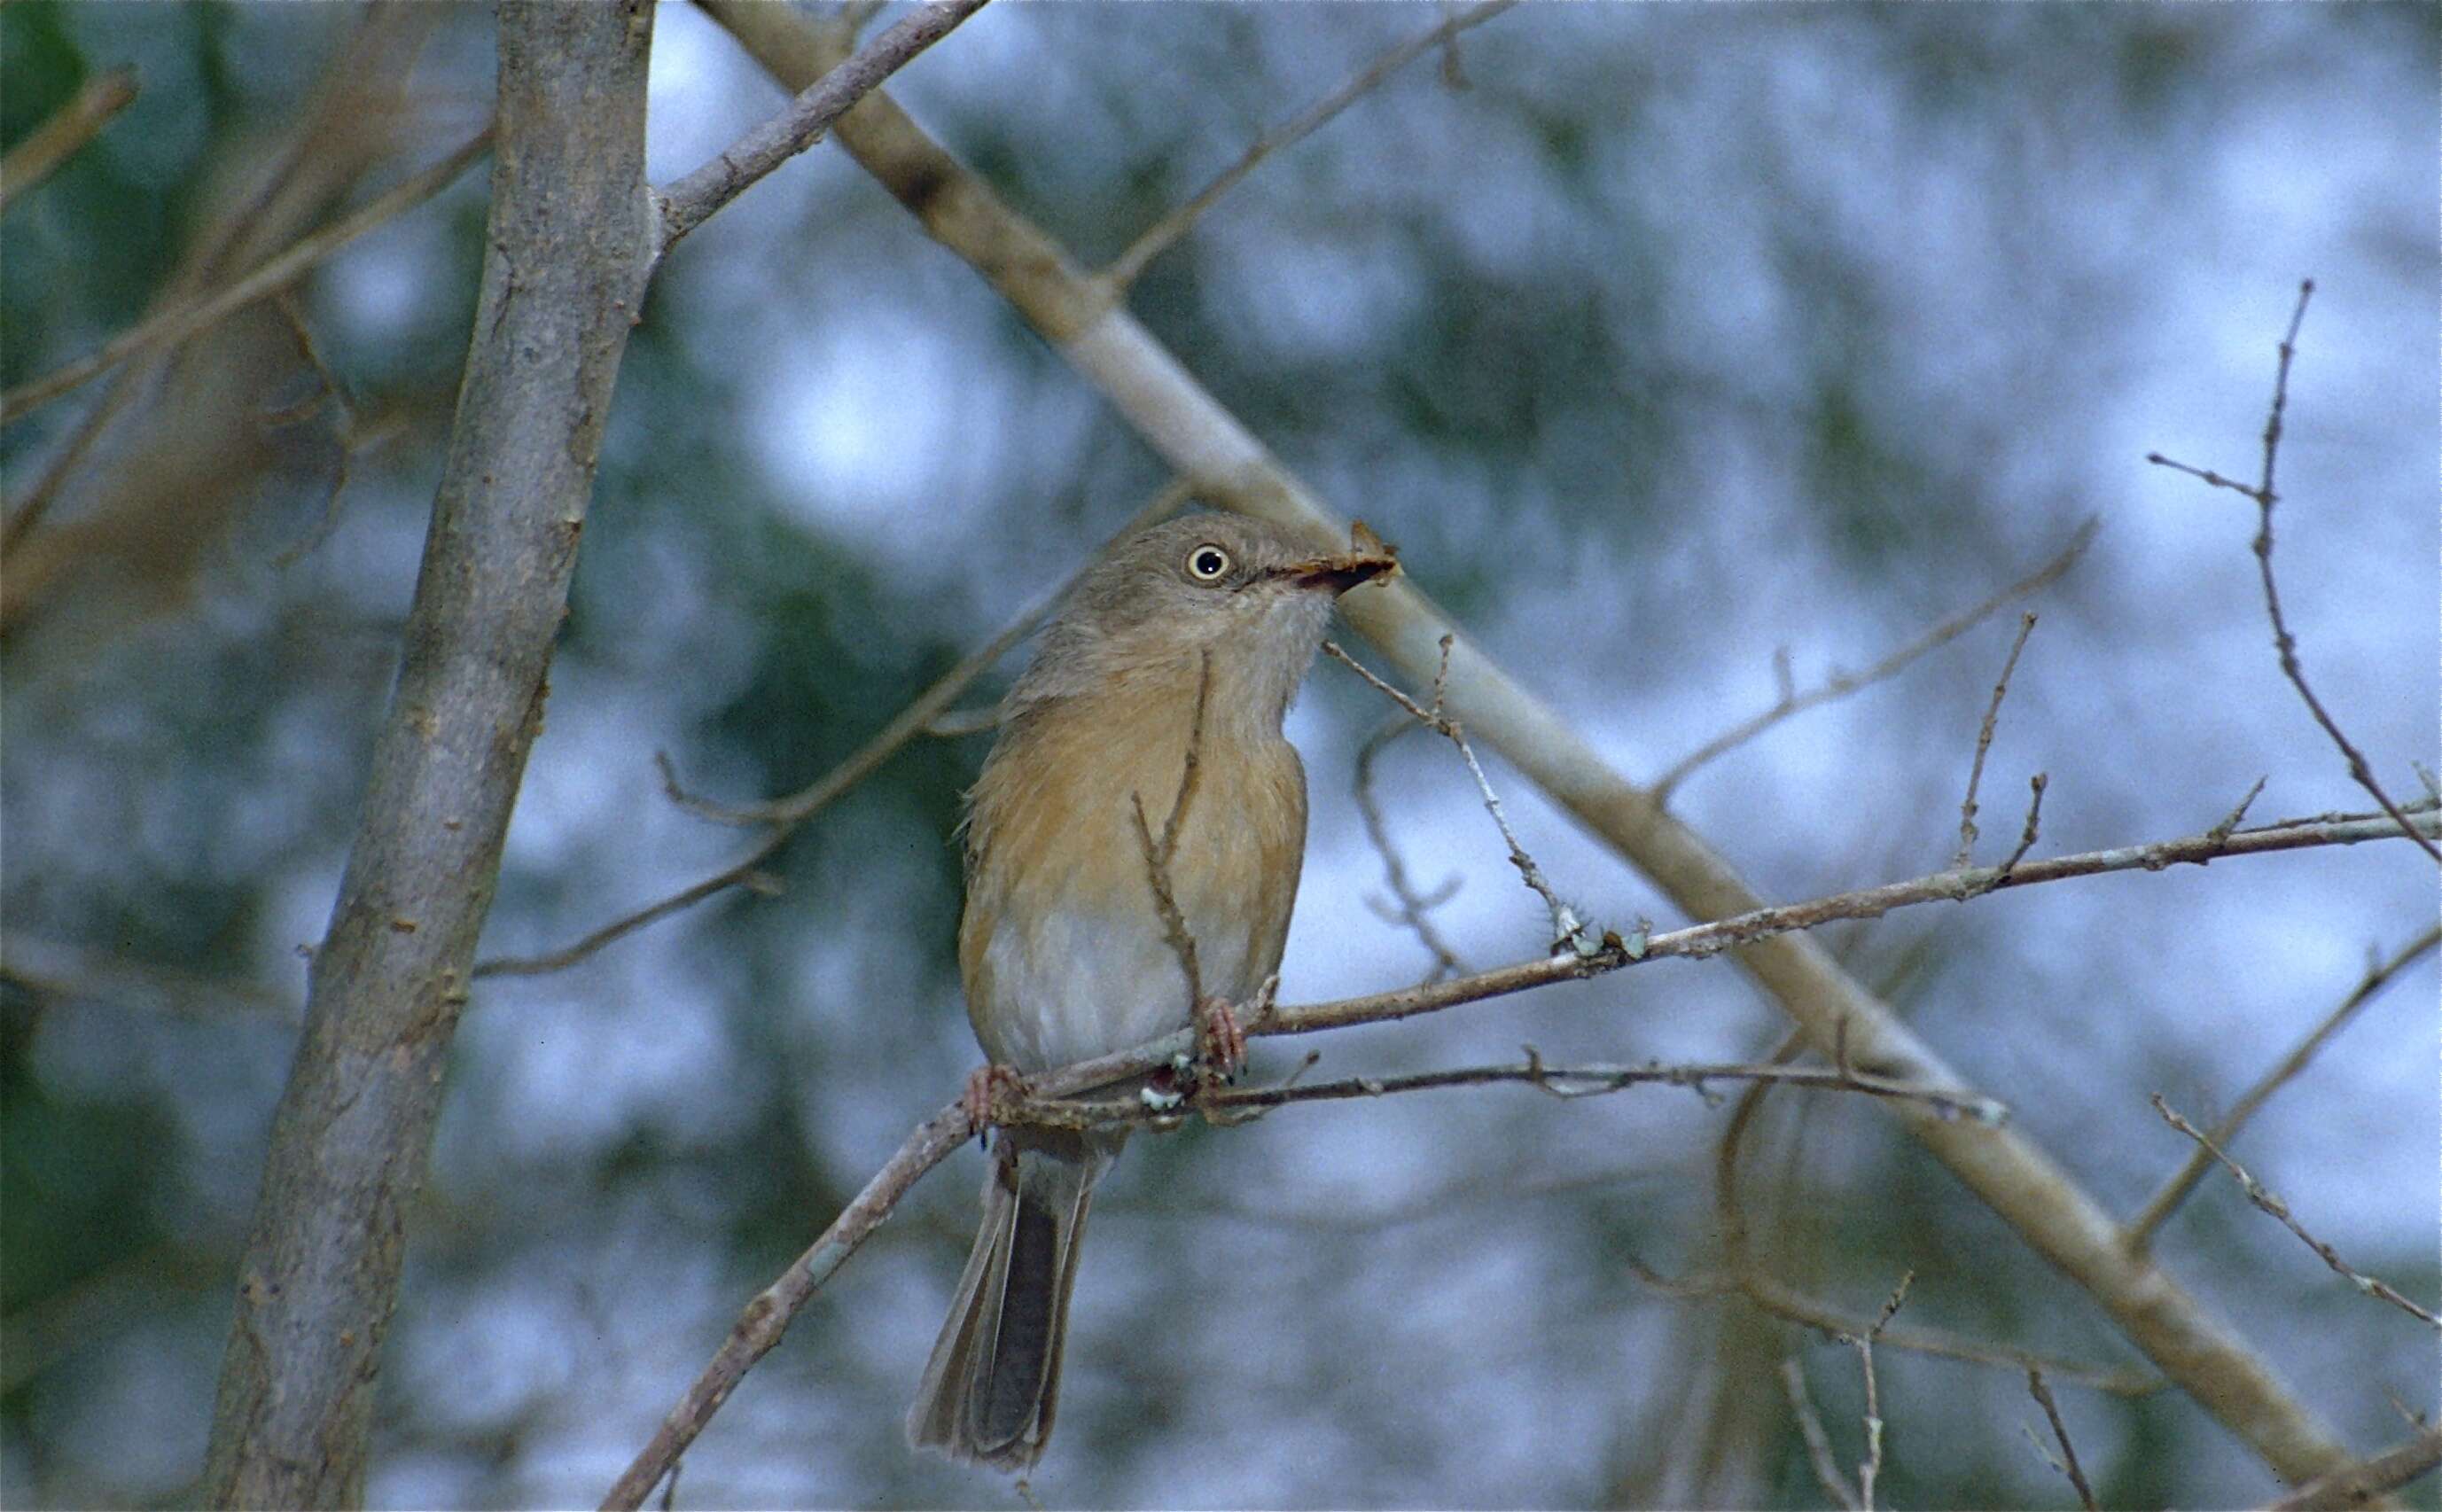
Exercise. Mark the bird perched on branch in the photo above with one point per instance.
(1132, 854)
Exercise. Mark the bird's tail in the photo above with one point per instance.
(990, 1388)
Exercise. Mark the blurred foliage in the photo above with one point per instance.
(1733, 329)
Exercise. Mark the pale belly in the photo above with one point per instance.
(1081, 983)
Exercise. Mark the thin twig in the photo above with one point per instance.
(1158, 853)
(1699, 941)
(694, 199)
(2068, 1466)
(2266, 1199)
(64, 134)
(1772, 1297)
(1567, 1082)
(1567, 928)
(759, 1327)
(2035, 786)
(2282, 641)
(2139, 1230)
(1966, 851)
(2359, 1485)
(1408, 907)
(347, 435)
(1159, 237)
(788, 815)
(2230, 820)
(1840, 685)
(1810, 1428)
(188, 319)
(1870, 1468)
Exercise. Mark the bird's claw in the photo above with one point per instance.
(1219, 1042)
(986, 1085)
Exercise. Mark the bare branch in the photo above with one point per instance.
(2139, 1230)
(1410, 908)
(2282, 641)
(2271, 1202)
(1157, 395)
(185, 321)
(768, 1315)
(1158, 853)
(2360, 1484)
(787, 815)
(695, 198)
(2068, 1466)
(319, 1282)
(1966, 851)
(64, 134)
(1818, 1443)
(1161, 236)
(1698, 941)
(1870, 1467)
(1840, 685)
(1558, 1080)
(1567, 928)
(2035, 786)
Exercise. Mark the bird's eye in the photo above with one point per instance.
(1207, 563)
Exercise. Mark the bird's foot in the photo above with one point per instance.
(1219, 1042)
(986, 1086)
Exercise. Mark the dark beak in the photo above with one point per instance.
(1368, 559)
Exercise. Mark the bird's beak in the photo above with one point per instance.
(1367, 558)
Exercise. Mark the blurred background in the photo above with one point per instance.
(1663, 340)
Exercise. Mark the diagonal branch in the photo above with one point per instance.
(1186, 425)
(64, 134)
(2140, 1232)
(695, 198)
(177, 324)
(788, 814)
(1165, 233)
(1944, 1102)
(1840, 685)
(2361, 1483)
(2270, 1201)
(1159, 853)
(1966, 851)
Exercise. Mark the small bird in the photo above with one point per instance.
(1188, 639)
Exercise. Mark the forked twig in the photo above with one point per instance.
(1567, 928)
(1966, 853)
(2139, 1230)
(1840, 685)
(2282, 641)
(1408, 907)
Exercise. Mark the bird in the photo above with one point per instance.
(1143, 746)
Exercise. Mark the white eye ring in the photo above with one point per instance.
(1207, 563)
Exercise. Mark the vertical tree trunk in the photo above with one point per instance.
(568, 248)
